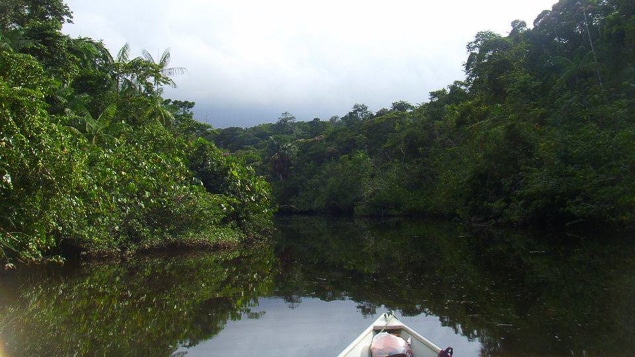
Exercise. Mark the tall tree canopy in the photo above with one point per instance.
(540, 131)
(93, 158)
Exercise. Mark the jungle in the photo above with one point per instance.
(95, 161)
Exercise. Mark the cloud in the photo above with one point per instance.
(248, 61)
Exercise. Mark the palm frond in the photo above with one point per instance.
(173, 71)
(124, 53)
(165, 58)
(147, 56)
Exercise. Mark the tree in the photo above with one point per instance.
(281, 158)
(39, 164)
(93, 89)
(576, 70)
(163, 63)
(184, 124)
(356, 115)
(285, 124)
(18, 14)
(93, 158)
(95, 129)
(159, 112)
(402, 106)
(119, 64)
(539, 131)
(489, 62)
(140, 76)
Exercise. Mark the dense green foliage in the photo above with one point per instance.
(540, 131)
(92, 157)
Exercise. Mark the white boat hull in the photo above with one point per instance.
(360, 347)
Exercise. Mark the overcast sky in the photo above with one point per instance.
(248, 61)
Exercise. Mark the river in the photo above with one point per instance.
(321, 281)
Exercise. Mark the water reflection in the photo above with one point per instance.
(314, 328)
(518, 294)
(145, 307)
(508, 294)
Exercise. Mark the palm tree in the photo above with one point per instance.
(92, 54)
(95, 129)
(163, 63)
(131, 75)
(282, 157)
(102, 130)
(595, 58)
(158, 111)
(119, 63)
(576, 68)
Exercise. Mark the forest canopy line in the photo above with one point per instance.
(541, 131)
(93, 158)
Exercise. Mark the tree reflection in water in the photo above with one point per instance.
(515, 293)
(147, 307)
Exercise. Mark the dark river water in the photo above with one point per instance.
(321, 281)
